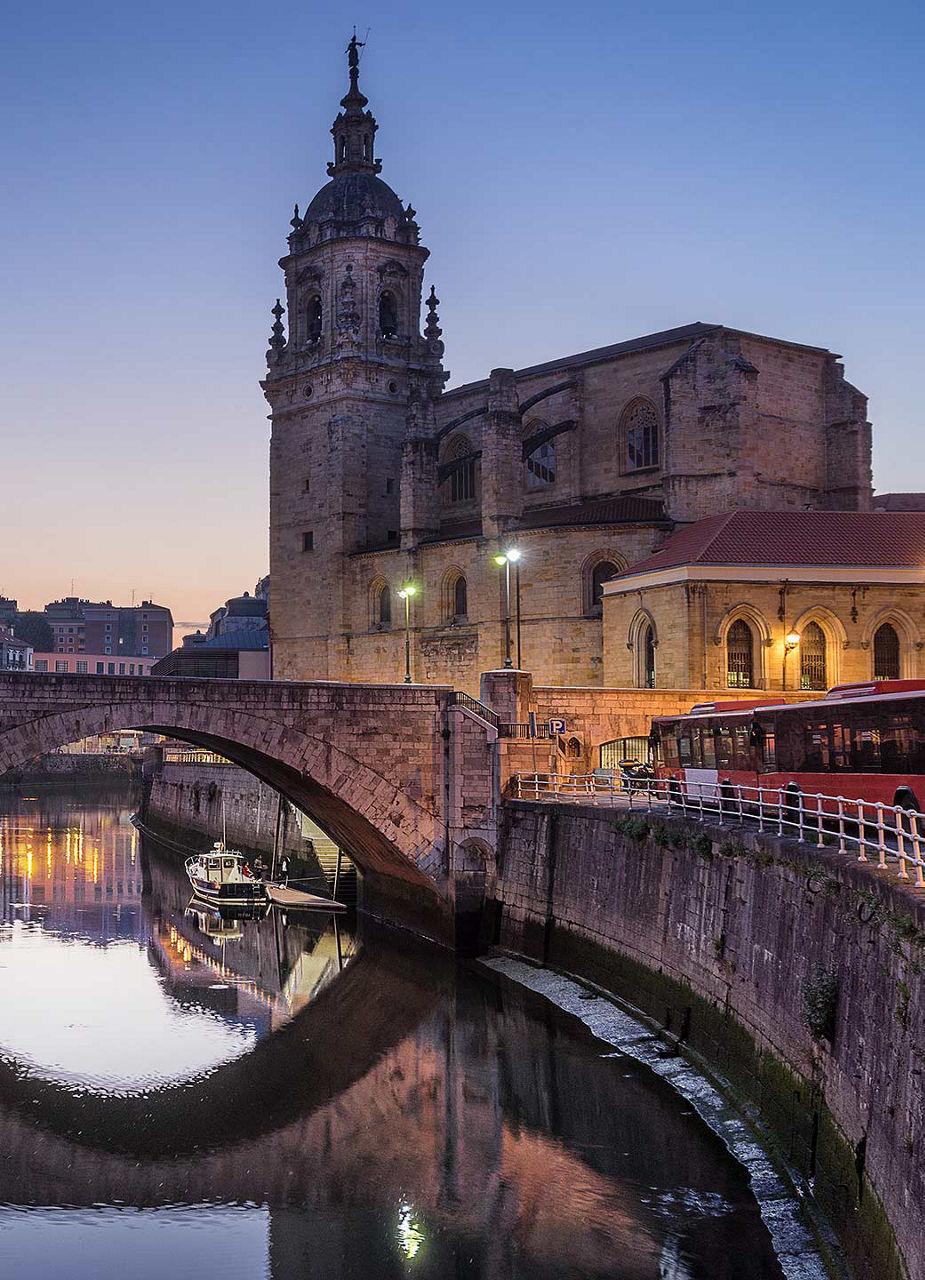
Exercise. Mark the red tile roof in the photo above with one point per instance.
(872, 538)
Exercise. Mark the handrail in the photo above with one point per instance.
(460, 699)
(879, 832)
(521, 730)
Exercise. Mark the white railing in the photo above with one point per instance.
(883, 833)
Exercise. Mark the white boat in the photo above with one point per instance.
(223, 877)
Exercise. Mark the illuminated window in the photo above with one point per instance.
(812, 657)
(740, 673)
(886, 653)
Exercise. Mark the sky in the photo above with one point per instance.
(583, 174)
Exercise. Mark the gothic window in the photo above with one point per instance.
(573, 749)
(460, 598)
(388, 314)
(812, 657)
(886, 653)
(639, 436)
(740, 669)
(647, 655)
(313, 316)
(541, 466)
(382, 612)
(462, 477)
(600, 573)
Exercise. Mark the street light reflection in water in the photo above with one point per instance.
(258, 1099)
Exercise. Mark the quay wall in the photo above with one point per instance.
(191, 797)
(63, 769)
(794, 973)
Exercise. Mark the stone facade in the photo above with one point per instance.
(804, 616)
(379, 476)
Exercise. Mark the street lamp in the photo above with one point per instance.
(504, 560)
(791, 641)
(406, 592)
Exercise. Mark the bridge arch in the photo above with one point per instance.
(307, 741)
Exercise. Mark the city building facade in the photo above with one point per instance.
(772, 600)
(92, 664)
(100, 627)
(15, 655)
(380, 477)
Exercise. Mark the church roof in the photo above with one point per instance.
(648, 342)
(824, 538)
(627, 509)
(350, 196)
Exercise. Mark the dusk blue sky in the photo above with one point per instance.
(583, 173)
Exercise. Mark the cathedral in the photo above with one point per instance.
(382, 477)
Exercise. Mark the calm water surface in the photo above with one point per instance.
(185, 1095)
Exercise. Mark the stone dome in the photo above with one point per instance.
(246, 607)
(350, 196)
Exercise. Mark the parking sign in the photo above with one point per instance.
(556, 724)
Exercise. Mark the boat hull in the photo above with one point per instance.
(229, 895)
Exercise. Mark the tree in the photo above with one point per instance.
(35, 629)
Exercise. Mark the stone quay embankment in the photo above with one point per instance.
(794, 973)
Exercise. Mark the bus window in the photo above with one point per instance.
(707, 747)
(685, 750)
(766, 742)
(668, 743)
(741, 753)
(841, 747)
(725, 749)
(865, 750)
(815, 755)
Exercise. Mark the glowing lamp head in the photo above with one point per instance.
(792, 640)
(501, 561)
(513, 554)
(408, 591)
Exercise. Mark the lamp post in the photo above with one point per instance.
(504, 560)
(791, 641)
(406, 592)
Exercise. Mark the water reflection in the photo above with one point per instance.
(311, 1108)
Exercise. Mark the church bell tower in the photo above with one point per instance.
(349, 376)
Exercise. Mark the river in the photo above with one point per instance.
(305, 1099)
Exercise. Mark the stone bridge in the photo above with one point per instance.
(402, 778)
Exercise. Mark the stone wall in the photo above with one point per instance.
(65, 768)
(795, 972)
(191, 797)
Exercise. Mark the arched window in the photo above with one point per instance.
(388, 314)
(647, 655)
(462, 477)
(600, 573)
(313, 317)
(740, 667)
(812, 657)
(460, 598)
(639, 431)
(382, 613)
(886, 653)
(573, 749)
(541, 466)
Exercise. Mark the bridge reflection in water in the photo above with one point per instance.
(296, 1105)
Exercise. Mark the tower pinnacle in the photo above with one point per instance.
(355, 128)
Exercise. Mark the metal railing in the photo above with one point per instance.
(521, 731)
(460, 699)
(174, 756)
(882, 833)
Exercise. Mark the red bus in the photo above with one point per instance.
(861, 741)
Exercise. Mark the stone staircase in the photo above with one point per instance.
(326, 852)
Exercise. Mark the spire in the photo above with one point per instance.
(277, 338)
(355, 128)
